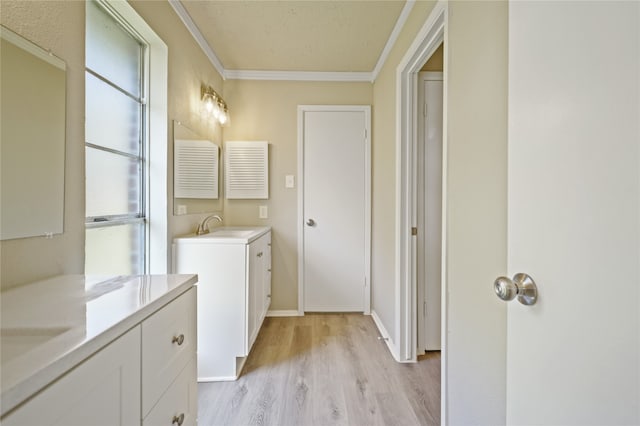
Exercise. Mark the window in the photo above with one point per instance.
(118, 136)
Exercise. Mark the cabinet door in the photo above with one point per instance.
(103, 390)
(266, 282)
(259, 254)
(254, 292)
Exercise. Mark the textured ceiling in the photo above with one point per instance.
(325, 35)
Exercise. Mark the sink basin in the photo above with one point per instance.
(232, 233)
(17, 341)
(227, 235)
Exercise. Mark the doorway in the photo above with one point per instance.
(334, 210)
(429, 204)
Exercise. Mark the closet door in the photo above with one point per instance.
(336, 209)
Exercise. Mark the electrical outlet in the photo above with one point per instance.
(264, 212)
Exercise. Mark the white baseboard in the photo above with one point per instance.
(385, 335)
(287, 313)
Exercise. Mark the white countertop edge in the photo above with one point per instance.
(28, 388)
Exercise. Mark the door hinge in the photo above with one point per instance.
(424, 309)
(365, 134)
(424, 111)
(414, 231)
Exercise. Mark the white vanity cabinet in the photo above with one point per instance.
(234, 294)
(146, 376)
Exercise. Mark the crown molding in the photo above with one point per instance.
(298, 76)
(404, 15)
(370, 77)
(197, 35)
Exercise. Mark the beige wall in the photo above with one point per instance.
(189, 68)
(59, 27)
(476, 210)
(384, 173)
(436, 61)
(267, 110)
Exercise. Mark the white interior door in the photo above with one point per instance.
(574, 195)
(429, 203)
(335, 208)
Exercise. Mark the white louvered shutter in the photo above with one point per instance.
(246, 170)
(195, 169)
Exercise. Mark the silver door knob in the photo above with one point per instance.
(521, 286)
(311, 222)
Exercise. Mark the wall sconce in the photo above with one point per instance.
(214, 106)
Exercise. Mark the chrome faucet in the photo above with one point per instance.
(203, 228)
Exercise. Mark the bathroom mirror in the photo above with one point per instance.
(32, 139)
(184, 136)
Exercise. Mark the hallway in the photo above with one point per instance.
(324, 369)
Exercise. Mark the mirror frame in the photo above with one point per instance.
(33, 141)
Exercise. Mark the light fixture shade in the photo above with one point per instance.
(224, 118)
(207, 105)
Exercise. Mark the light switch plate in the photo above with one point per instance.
(288, 181)
(264, 212)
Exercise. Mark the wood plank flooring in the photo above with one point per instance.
(324, 369)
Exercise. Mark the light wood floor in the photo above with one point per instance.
(324, 369)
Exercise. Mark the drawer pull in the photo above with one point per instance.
(178, 420)
(178, 339)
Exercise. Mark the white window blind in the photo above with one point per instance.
(195, 169)
(246, 170)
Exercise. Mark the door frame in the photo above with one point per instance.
(433, 33)
(366, 109)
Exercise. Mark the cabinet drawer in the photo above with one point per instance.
(179, 404)
(168, 344)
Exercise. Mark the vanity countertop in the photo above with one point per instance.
(226, 235)
(50, 326)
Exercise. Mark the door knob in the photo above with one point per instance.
(521, 286)
(311, 222)
(178, 339)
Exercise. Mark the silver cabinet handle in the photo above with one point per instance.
(311, 222)
(178, 419)
(178, 339)
(521, 286)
